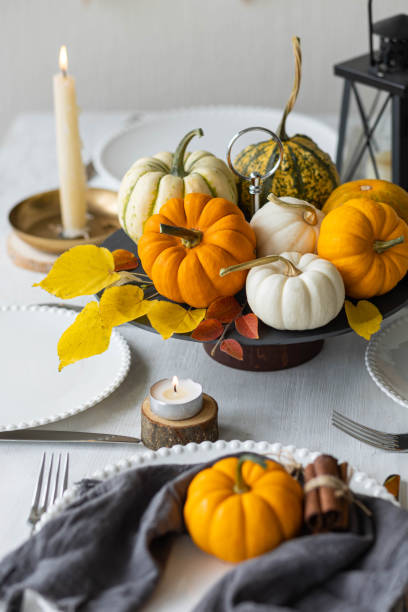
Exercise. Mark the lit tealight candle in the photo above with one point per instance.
(176, 399)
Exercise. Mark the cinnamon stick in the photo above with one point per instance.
(326, 507)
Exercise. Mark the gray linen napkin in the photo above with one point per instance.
(103, 553)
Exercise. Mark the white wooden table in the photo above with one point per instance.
(291, 406)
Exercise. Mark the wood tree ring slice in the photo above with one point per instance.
(158, 432)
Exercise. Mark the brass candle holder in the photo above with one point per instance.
(37, 220)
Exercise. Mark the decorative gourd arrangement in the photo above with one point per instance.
(243, 507)
(151, 181)
(286, 224)
(306, 172)
(292, 291)
(374, 189)
(183, 248)
(368, 243)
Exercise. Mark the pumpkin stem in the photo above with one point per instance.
(291, 269)
(240, 485)
(189, 237)
(295, 90)
(310, 214)
(382, 245)
(177, 168)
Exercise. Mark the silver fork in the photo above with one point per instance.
(373, 437)
(43, 498)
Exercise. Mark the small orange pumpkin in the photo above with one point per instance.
(368, 243)
(243, 507)
(374, 189)
(184, 247)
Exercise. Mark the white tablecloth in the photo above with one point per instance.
(290, 406)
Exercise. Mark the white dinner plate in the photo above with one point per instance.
(189, 572)
(162, 131)
(32, 391)
(387, 358)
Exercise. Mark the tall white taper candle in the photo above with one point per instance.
(70, 166)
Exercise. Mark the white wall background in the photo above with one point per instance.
(155, 54)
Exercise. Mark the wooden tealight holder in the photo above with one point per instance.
(158, 432)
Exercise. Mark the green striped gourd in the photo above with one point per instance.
(306, 172)
(151, 181)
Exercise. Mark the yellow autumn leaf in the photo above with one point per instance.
(364, 318)
(168, 318)
(122, 304)
(83, 270)
(87, 336)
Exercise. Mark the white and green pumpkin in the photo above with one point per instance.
(151, 181)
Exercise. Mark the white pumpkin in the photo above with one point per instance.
(151, 181)
(286, 224)
(293, 291)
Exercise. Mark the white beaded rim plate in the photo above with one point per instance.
(117, 152)
(189, 572)
(33, 393)
(360, 482)
(386, 358)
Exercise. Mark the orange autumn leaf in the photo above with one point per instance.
(247, 325)
(224, 309)
(124, 260)
(392, 484)
(232, 348)
(209, 329)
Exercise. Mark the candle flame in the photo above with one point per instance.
(63, 59)
(175, 383)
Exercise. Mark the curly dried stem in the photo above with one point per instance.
(291, 269)
(295, 90)
(177, 168)
(189, 237)
(309, 211)
(380, 246)
(240, 485)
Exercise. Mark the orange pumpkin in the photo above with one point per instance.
(184, 247)
(368, 243)
(238, 509)
(378, 190)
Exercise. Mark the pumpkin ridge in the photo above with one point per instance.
(390, 262)
(213, 526)
(272, 512)
(190, 166)
(267, 185)
(241, 236)
(299, 184)
(211, 189)
(151, 209)
(256, 151)
(225, 173)
(244, 521)
(200, 253)
(127, 200)
(235, 218)
(324, 161)
(309, 300)
(283, 489)
(181, 273)
(160, 163)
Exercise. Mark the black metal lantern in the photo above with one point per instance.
(386, 70)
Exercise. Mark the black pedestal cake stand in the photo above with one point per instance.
(275, 349)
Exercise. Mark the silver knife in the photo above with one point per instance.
(60, 305)
(48, 435)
